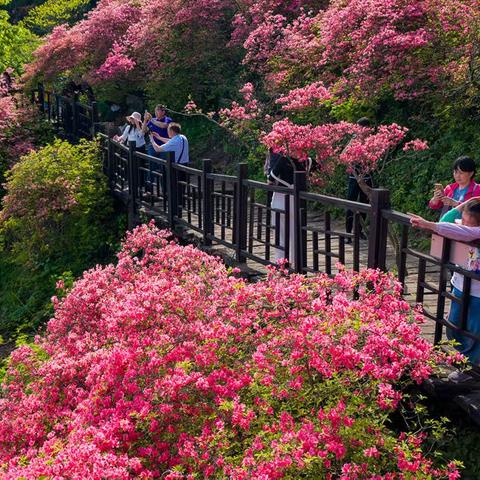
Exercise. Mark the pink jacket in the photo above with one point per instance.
(473, 191)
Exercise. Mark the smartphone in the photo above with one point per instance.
(438, 187)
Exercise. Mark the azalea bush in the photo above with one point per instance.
(167, 366)
(22, 130)
(404, 63)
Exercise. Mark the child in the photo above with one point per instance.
(468, 231)
(462, 189)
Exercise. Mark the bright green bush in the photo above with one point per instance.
(57, 216)
(43, 18)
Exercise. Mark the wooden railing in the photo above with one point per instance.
(235, 212)
(70, 117)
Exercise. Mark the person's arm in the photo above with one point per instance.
(159, 124)
(435, 202)
(449, 201)
(454, 231)
(159, 137)
(123, 137)
(419, 222)
(156, 147)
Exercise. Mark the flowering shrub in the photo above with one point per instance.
(165, 366)
(55, 203)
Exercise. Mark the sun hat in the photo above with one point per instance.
(136, 116)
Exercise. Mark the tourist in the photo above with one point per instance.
(354, 191)
(462, 189)
(280, 171)
(158, 124)
(467, 231)
(176, 142)
(133, 132)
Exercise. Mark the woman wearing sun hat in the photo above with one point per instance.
(133, 132)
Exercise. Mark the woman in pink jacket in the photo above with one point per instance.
(461, 190)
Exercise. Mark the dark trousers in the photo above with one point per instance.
(356, 194)
(155, 167)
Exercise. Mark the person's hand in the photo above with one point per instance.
(147, 117)
(419, 222)
(449, 201)
(438, 194)
(156, 135)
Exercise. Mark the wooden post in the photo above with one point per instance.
(300, 221)
(171, 190)
(442, 287)
(207, 198)
(111, 163)
(75, 116)
(60, 112)
(41, 97)
(240, 226)
(377, 238)
(132, 193)
(49, 107)
(94, 119)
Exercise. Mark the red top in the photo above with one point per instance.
(448, 191)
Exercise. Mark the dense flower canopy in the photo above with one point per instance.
(165, 365)
(355, 47)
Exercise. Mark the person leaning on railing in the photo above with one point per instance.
(133, 132)
(467, 231)
(176, 142)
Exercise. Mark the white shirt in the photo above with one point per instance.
(179, 145)
(133, 135)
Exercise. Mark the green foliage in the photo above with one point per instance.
(16, 44)
(43, 18)
(57, 217)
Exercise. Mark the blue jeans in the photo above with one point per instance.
(467, 346)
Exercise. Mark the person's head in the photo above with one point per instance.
(174, 129)
(160, 110)
(134, 119)
(363, 122)
(464, 170)
(471, 214)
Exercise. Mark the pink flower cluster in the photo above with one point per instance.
(116, 63)
(15, 125)
(359, 148)
(238, 113)
(305, 97)
(166, 366)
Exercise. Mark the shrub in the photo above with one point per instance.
(21, 130)
(56, 204)
(57, 217)
(167, 366)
